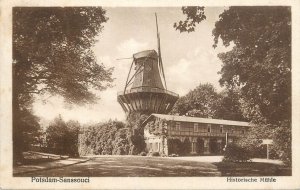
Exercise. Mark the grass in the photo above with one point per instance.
(252, 169)
(31, 158)
(135, 166)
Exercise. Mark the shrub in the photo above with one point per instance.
(235, 153)
(155, 154)
(109, 138)
(143, 154)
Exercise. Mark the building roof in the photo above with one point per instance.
(198, 120)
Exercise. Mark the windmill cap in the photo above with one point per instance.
(146, 53)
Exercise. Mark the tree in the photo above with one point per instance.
(194, 15)
(52, 54)
(134, 122)
(62, 137)
(31, 129)
(260, 65)
(203, 101)
(55, 136)
(72, 138)
(230, 105)
(260, 61)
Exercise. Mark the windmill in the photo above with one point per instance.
(145, 89)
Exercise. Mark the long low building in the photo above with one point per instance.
(171, 134)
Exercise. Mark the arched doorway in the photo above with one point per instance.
(200, 146)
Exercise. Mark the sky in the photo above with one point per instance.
(188, 58)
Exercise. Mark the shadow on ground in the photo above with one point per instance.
(252, 169)
(158, 167)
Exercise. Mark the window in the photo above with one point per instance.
(195, 127)
(221, 128)
(208, 128)
(177, 126)
(202, 127)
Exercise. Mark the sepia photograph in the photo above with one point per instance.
(151, 91)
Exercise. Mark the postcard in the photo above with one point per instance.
(149, 95)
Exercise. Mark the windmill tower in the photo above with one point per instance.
(146, 88)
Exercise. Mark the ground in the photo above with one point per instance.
(138, 166)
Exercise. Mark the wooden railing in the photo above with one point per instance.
(147, 89)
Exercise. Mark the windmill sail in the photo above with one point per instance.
(146, 90)
(159, 53)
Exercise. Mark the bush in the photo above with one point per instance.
(143, 154)
(235, 153)
(109, 138)
(155, 154)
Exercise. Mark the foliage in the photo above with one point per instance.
(109, 138)
(194, 15)
(52, 54)
(205, 101)
(158, 127)
(235, 153)
(137, 141)
(62, 137)
(259, 64)
(143, 154)
(154, 154)
(200, 102)
(230, 105)
(282, 138)
(58, 58)
(281, 147)
(31, 130)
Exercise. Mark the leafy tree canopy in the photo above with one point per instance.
(200, 102)
(230, 105)
(194, 15)
(62, 137)
(205, 101)
(260, 62)
(51, 53)
(260, 66)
